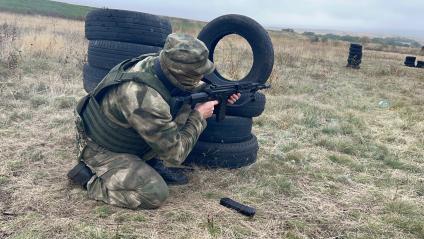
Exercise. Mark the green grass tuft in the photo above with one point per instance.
(65, 102)
(38, 100)
(3, 180)
(103, 211)
(139, 218)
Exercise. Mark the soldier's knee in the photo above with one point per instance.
(132, 184)
(153, 194)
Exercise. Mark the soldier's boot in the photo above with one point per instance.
(172, 176)
(80, 174)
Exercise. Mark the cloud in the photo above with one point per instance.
(384, 15)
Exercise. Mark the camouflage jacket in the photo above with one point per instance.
(135, 105)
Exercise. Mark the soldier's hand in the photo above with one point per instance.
(233, 98)
(206, 109)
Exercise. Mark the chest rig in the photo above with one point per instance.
(93, 123)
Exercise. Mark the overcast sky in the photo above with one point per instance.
(382, 16)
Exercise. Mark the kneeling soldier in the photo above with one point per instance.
(129, 132)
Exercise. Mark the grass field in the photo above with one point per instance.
(341, 150)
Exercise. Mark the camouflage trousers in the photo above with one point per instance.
(123, 179)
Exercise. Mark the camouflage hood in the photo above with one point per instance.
(184, 61)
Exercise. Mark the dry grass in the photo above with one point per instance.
(332, 162)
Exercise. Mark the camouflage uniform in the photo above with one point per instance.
(124, 179)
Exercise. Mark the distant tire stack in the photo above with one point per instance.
(117, 35)
(410, 61)
(355, 56)
(230, 143)
(420, 64)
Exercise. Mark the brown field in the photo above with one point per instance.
(335, 161)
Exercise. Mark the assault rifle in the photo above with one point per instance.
(220, 92)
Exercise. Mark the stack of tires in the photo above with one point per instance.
(410, 61)
(355, 56)
(117, 35)
(230, 143)
(420, 64)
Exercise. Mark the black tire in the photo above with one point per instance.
(354, 62)
(410, 61)
(355, 46)
(355, 49)
(410, 65)
(410, 58)
(230, 130)
(107, 54)
(358, 59)
(92, 76)
(355, 52)
(126, 26)
(215, 155)
(247, 107)
(358, 56)
(253, 32)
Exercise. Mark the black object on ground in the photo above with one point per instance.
(255, 35)
(410, 61)
(420, 64)
(243, 209)
(355, 56)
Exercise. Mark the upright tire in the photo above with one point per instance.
(252, 108)
(216, 155)
(253, 32)
(107, 54)
(355, 56)
(355, 46)
(127, 26)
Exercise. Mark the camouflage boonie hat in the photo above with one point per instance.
(185, 59)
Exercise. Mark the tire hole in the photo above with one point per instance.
(233, 57)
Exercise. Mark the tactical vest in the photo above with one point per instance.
(103, 131)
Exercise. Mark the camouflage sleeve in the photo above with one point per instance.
(149, 114)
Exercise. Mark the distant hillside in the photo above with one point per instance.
(72, 11)
(392, 41)
(45, 7)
